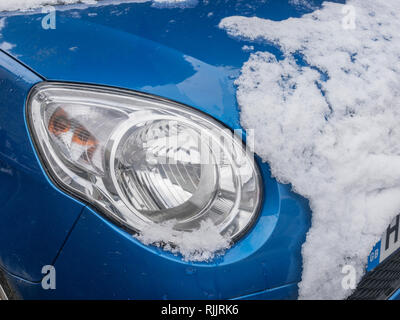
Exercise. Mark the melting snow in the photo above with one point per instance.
(175, 3)
(199, 245)
(13, 5)
(326, 117)
(10, 5)
(308, 4)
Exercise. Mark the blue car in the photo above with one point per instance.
(82, 103)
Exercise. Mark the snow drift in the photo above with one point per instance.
(326, 117)
(14, 5)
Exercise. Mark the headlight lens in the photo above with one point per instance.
(143, 160)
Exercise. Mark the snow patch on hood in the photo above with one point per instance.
(11, 5)
(14, 5)
(326, 117)
(175, 3)
(203, 244)
(4, 45)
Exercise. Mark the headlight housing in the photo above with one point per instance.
(143, 160)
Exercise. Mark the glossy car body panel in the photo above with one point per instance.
(129, 270)
(286, 292)
(35, 217)
(181, 55)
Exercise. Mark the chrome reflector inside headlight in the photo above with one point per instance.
(142, 160)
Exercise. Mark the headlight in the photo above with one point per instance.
(143, 160)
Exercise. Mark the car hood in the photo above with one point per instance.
(178, 53)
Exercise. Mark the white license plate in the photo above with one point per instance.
(388, 244)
